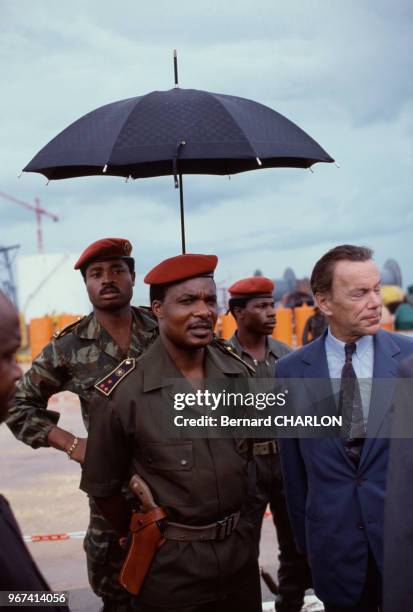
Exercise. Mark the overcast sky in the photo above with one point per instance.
(341, 70)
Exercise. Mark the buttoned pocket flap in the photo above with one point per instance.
(169, 456)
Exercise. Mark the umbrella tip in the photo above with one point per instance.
(336, 164)
(20, 174)
(259, 162)
(105, 167)
(176, 68)
(311, 170)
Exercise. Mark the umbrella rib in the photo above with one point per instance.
(254, 153)
(120, 129)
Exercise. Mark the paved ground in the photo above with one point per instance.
(42, 486)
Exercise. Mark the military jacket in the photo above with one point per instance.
(73, 361)
(274, 351)
(197, 481)
(264, 370)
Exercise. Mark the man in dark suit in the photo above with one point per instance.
(335, 486)
(18, 572)
(398, 529)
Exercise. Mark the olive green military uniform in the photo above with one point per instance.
(73, 361)
(198, 481)
(294, 575)
(274, 351)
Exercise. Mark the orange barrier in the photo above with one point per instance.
(284, 328)
(40, 332)
(301, 315)
(228, 326)
(387, 326)
(23, 332)
(66, 319)
(42, 329)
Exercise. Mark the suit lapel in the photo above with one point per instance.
(315, 359)
(316, 366)
(383, 385)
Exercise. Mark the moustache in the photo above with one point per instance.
(109, 289)
(200, 325)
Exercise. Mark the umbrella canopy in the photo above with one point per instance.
(180, 131)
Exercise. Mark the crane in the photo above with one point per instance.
(36, 208)
(7, 283)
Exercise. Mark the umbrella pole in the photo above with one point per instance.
(181, 207)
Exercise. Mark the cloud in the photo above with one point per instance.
(341, 71)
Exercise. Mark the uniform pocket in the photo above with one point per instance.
(169, 471)
(176, 456)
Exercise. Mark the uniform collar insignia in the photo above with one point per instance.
(107, 384)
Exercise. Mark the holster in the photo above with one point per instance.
(146, 538)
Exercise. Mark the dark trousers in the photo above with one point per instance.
(370, 600)
(294, 575)
(246, 598)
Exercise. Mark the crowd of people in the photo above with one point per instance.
(183, 534)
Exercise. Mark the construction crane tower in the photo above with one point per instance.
(7, 283)
(38, 211)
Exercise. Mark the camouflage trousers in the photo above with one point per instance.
(104, 561)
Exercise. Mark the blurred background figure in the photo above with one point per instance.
(403, 316)
(18, 571)
(315, 326)
(296, 299)
(398, 526)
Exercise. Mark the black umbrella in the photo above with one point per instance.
(175, 132)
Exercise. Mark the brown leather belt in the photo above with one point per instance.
(265, 448)
(189, 533)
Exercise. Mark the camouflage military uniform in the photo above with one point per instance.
(79, 356)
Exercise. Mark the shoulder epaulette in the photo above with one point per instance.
(228, 350)
(68, 328)
(110, 382)
(147, 310)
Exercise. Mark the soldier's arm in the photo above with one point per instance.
(108, 460)
(29, 419)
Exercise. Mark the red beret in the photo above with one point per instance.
(107, 248)
(251, 287)
(181, 267)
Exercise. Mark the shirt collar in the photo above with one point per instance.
(269, 348)
(335, 345)
(159, 370)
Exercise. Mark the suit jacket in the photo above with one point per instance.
(398, 528)
(337, 508)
